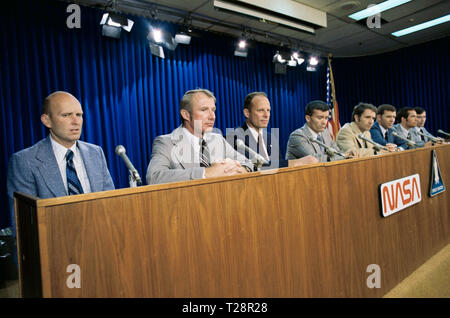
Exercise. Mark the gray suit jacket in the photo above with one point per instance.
(34, 171)
(299, 145)
(414, 136)
(425, 131)
(173, 157)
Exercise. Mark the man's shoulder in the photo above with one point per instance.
(302, 131)
(29, 151)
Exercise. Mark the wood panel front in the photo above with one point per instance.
(300, 232)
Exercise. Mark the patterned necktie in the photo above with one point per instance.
(205, 160)
(319, 138)
(73, 183)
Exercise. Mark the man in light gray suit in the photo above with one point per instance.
(421, 119)
(406, 128)
(299, 144)
(193, 151)
(60, 164)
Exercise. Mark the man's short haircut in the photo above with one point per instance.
(248, 99)
(360, 108)
(385, 107)
(316, 104)
(403, 113)
(186, 100)
(419, 110)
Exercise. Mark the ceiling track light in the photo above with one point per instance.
(113, 24)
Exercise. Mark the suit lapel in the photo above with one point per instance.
(49, 170)
(180, 146)
(94, 173)
(313, 144)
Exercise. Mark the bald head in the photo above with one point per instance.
(57, 98)
(63, 116)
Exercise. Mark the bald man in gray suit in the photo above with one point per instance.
(43, 169)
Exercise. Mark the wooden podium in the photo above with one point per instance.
(310, 231)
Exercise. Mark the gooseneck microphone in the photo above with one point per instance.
(409, 142)
(434, 139)
(376, 145)
(329, 149)
(443, 133)
(120, 151)
(255, 157)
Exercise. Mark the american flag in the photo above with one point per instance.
(333, 121)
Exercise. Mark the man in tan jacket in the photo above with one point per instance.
(363, 117)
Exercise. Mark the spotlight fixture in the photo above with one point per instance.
(183, 38)
(296, 56)
(156, 50)
(241, 49)
(113, 24)
(162, 38)
(278, 58)
(313, 61)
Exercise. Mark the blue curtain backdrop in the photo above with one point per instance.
(128, 96)
(414, 76)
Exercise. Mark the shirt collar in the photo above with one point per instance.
(255, 132)
(313, 133)
(60, 151)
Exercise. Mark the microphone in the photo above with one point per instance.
(443, 133)
(377, 145)
(255, 157)
(434, 139)
(409, 142)
(120, 151)
(328, 148)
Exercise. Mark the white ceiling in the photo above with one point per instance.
(343, 37)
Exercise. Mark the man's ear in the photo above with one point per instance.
(185, 114)
(45, 119)
(246, 113)
(307, 118)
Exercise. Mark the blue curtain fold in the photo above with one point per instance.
(417, 76)
(128, 96)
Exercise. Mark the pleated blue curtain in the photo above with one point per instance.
(414, 76)
(128, 96)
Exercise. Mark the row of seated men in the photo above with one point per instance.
(62, 165)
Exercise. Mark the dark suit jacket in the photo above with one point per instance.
(378, 137)
(272, 146)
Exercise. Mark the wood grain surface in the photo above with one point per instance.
(300, 232)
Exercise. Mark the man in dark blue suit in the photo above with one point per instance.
(255, 135)
(381, 131)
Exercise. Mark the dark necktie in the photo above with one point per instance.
(386, 135)
(73, 183)
(205, 160)
(421, 136)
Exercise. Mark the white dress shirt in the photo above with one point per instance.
(255, 133)
(60, 153)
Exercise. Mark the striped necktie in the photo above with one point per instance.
(205, 160)
(73, 183)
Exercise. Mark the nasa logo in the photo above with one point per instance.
(399, 194)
